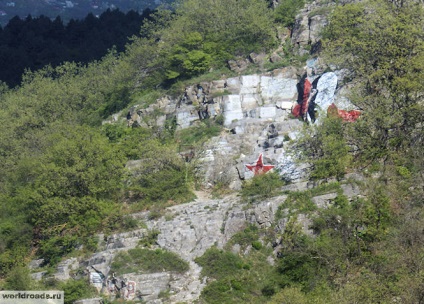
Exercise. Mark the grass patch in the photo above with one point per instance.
(325, 188)
(147, 97)
(178, 88)
(140, 260)
(220, 93)
(199, 133)
(262, 187)
(246, 237)
(219, 264)
(301, 201)
(249, 279)
(150, 239)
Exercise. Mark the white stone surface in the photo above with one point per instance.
(249, 101)
(232, 109)
(186, 118)
(326, 87)
(249, 84)
(149, 285)
(267, 112)
(250, 80)
(275, 89)
(233, 85)
(286, 105)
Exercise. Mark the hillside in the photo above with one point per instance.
(224, 159)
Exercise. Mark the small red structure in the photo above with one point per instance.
(259, 167)
(348, 116)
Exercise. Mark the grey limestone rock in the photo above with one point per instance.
(64, 268)
(38, 275)
(326, 87)
(126, 239)
(350, 190)
(324, 201)
(150, 285)
(35, 263)
(238, 65)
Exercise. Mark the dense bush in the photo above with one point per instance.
(219, 264)
(326, 147)
(147, 261)
(76, 290)
(262, 186)
(286, 11)
(198, 134)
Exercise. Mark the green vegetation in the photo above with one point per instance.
(140, 260)
(360, 252)
(301, 201)
(245, 238)
(287, 10)
(326, 148)
(200, 133)
(150, 239)
(261, 186)
(237, 279)
(76, 290)
(64, 177)
(385, 55)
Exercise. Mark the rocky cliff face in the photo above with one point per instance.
(189, 230)
(255, 111)
(309, 23)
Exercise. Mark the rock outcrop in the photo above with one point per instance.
(189, 230)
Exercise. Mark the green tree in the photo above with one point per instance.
(189, 58)
(286, 11)
(161, 175)
(382, 44)
(326, 148)
(200, 35)
(71, 188)
(19, 279)
(240, 26)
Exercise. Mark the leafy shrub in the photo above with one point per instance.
(257, 245)
(199, 133)
(53, 249)
(219, 119)
(298, 202)
(147, 261)
(327, 149)
(296, 267)
(150, 239)
(248, 279)
(219, 264)
(268, 290)
(286, 11)
(246, 237)
(301, 201)
(162, 175)
(18, 279)
(261, 186)
(76, 290)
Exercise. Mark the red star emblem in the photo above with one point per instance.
(259, 167)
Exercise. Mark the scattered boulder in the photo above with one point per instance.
(238, 65)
